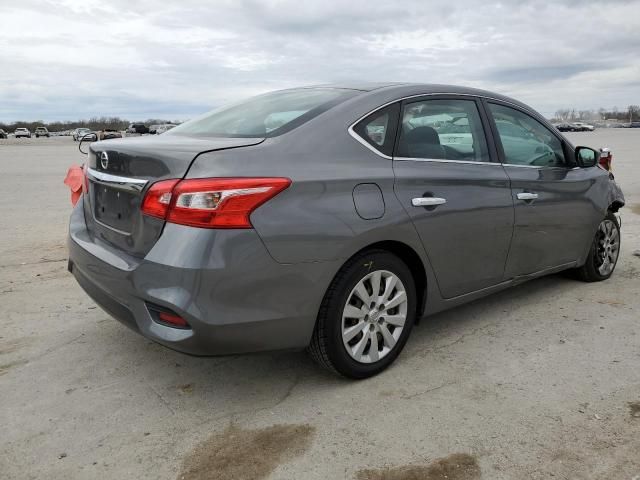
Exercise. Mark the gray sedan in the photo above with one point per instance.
(332, 218)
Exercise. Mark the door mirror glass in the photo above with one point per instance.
(586, 157)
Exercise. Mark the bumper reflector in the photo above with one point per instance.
(166, 317)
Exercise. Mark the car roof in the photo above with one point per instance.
(406, 89)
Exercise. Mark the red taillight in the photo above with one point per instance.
(606, 158)
(156, 201)
(211, 202)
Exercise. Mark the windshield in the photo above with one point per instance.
(266, 115)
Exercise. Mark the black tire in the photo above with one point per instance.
(590, 272)
(327, 347)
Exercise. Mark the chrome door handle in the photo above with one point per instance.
(428, 201)
(527, 196)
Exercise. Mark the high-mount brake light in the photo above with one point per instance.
(211, 202)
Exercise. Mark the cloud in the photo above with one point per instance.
(69, 59)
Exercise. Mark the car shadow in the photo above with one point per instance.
(231, 387)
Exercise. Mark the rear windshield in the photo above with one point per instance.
(266, 115)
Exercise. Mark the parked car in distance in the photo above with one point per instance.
(3, 134)
(160, 129)
(634, 125)
(78, 133)
(583, 127)
(42, 132)
(22, 133)
(108, 134)
(333, 218)
(565, 127)
(139, 128)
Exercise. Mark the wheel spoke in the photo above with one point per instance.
(360, 346)
(375, 285)
(351, 332)
(389, 341)
(390, 284)
(362, 294)
(373, 349)
(395, 301)
(603, 228)
(395, 320)
(354, 312)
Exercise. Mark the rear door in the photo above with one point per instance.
(554, 218)
(456, 192)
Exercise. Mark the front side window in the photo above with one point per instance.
(525, 140)
(379, 128)
(266, 115)
(443, 130)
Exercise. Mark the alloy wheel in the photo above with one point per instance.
(607, 247)
(374, 316)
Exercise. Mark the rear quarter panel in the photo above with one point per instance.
(315, 219)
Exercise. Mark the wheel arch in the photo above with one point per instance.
(413, 261)
(615, 206)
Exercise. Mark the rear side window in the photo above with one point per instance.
(379, 129)
(525, 140)
(266, 115)
(443, 130)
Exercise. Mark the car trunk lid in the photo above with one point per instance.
(119, 173)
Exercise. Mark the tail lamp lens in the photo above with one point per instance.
(211, 202)
(606, 160)
(158, 198)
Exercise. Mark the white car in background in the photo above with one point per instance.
(584, 127)
(22, 132)
(78, 133)
(158, 129)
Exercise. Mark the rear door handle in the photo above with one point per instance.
(527, 196)
(428, 201)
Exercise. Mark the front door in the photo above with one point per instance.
(554, 219)
(457, 194)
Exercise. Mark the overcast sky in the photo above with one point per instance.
(70, 59)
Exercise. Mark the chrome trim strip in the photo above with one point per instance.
(523, 166)
(115, 181)
(437, 160)
(374, 150)
(367, 144)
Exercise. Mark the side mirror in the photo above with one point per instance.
(586, 157)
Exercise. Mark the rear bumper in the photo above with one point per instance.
(234, 296)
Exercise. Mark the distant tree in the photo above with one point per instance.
(634, 111)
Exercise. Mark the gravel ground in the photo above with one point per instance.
(541, 380)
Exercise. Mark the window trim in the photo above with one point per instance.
(486, 121)
(394, 121)
(500, 148)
